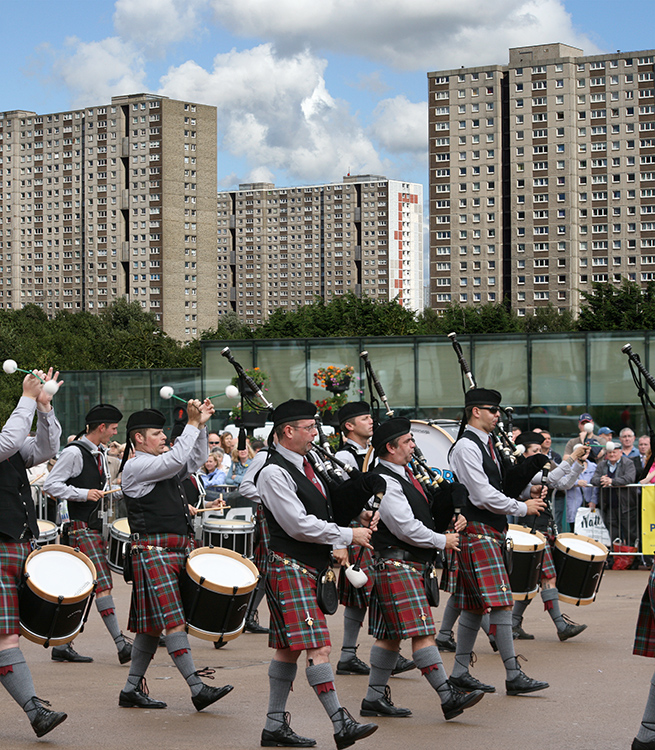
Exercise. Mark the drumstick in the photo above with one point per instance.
(36, 479)
(205, 510)
(108, 492)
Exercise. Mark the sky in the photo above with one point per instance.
(306, 91)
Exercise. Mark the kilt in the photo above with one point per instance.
(12, 564)
(262, 538)
(399, 607)
(92, 545)
(548, 564)
(156, 603)
(477, 576)
(349, 596)
(296, 621)
(644, 644)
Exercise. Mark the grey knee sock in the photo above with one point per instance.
(143, 649)
(518, 609)
(16, 678)
(485, 624)
(353, 617)
(502, 621)
(105, 605)
(467, 632)
(429, 662)
(550, 598)
(383, 663)
(321, 678)
(450, 615)
(177, 645)
(281, 675)
(647, 728)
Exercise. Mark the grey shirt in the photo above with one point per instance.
(14, 437)
(248, 488)
(70, 464)
(348, 458)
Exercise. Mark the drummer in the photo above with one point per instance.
(561, 477)
(80, 478)
(18, 531)
(162, 535)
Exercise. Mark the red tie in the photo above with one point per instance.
(415, 482)
(311, 475)
(491, 449)
(100, 464)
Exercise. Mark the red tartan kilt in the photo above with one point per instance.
(296, 621)
(644, 644)
(92, 544)
(349, 596)
(398, 606)
(262, 536)
(548, 564)
(12, 565)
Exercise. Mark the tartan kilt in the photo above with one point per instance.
(644, 644)
(262, 539)
(548, 564)
(91, 544)
(296, 621)
(156, 603)
(12, 565)
(477, 576)
(349, 596)
(398, 606)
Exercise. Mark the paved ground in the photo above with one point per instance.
(598, 690)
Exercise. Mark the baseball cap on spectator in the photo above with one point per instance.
(605, 431)
(585, 418)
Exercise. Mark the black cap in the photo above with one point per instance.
(141, 420)
(103, 413)
(292, 410)
(390, 430)
(482, 397)
(353, 409)
(530, 438)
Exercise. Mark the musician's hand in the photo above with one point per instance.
(580, 453)
(452, 542)
(460, 523)
(362, 536)
(207, 410)
(535, 506)
(341, 557)
(32, 386)
(193, 412)
(44, 399)
(94, 495)
(193, 511)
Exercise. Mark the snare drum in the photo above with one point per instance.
(216, 588)
(527, 556)
(434, 443)
(47, 532)
(229, 533)
(56, 594)
(579, 562)
(119, 536)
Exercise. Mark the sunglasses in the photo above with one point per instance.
(491, 409)
(214, 442)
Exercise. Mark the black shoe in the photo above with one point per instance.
(520, 635)
(383, 706)
(352, 665)
(492, 643)
(447, 645)
(68, 653)
(209, 695)
(459, 701)
(524, 684)
(641, 745)
(138, 698)
(469, 684)
(252, 624)
(571, 630)
(285, 736)
(351, 731)
(45, 720)
(403, 665)
(125, 651)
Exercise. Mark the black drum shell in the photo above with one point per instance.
(37, 614)
(577, 580)
(526, 573)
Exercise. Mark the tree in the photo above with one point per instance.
(624, 308)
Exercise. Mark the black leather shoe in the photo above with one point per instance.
(285, 736)
(459, 701)
(352, 665)
(351, 731)
(447, 645)
(403, 665)
(383, 706)
(641, 745)
(524, 684)
(252, 625)
(125, 652)
(45, 720)
(571, 630)
(209, 695)
(520, 635)
(138, 698)
(468, 683)
(68, 653)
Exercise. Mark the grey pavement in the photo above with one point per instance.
(598, 690)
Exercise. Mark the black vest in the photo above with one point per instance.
(17, 514)
(90, 478)
(420, 508)
(164, 510)
(359, 457)
(314, 555)
(497, 521)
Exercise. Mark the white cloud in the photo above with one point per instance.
(423, 34)
(154, 24)
(401, 126)
(277, 113)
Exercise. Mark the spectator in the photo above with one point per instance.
(582, 493)
(213, 440)
(547, 447)
(605, 435)
(643, 446)
(582, 437)
(613, 473)
(650, 477)
(211, 473)
(240, 462)
(257, 445)
(227, 444)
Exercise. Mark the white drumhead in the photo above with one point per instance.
(221, 569)
(580, 545)
(59, 573)
(524, 538)
(121, 525)
(434, 443)
(46, 527)
(228, 525)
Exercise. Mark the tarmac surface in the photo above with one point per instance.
(597, 691)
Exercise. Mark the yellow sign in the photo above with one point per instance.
(648, 520)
